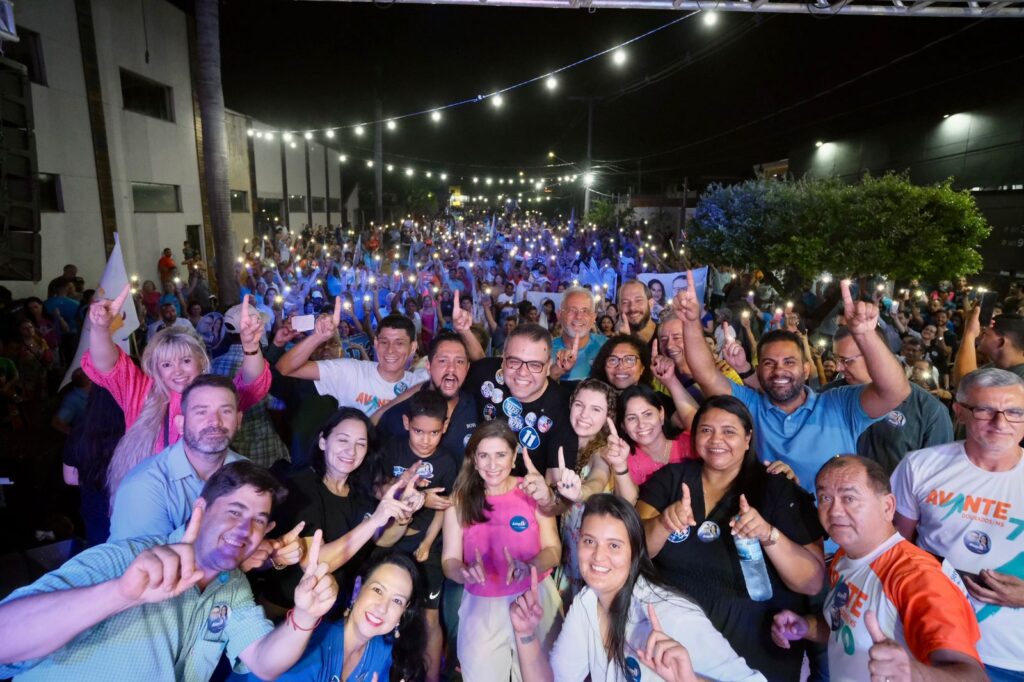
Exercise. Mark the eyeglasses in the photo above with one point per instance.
(579, 311)
(1014, 415)
(625, 360)
(535, 366)
(840, 360)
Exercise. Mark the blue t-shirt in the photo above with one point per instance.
(325, 656)
(585, 359)
(826, 425)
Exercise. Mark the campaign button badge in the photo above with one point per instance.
(512, 407)
(709, 531)
(497, 395)
(978, 542)
(531, 418)
(544, 423)
(516, 423)
(490, 412)
(486, 388)
(529, 438)
(401, 387)
(518, 524)
(679, 536)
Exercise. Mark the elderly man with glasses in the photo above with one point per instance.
(964, 501)
(574, 351)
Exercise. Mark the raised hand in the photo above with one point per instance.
(734, 354)
(516, 568)
(622, 325)
(316, 592)
(788, 627)
(288, 549)
(972, 328)
(251, 328)
(665, 656)
(103, 311)
(164, 571)
(566, 358)
(685, 302)
(886, 658)
(663, 367)
(570, 485)
(534, 484)
(616, 454)
(474, 573)
(780, 467)
(526, 611)
(462, 320)
(678, 516)
(326, 325)
(749, 523)
(861, 316)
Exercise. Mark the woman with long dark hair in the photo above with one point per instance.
(494, 537)
(692, 511)
(624, 613)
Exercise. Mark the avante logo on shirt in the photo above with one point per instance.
(373, 401)
(518, 524)
(632, 669)
(982, 509)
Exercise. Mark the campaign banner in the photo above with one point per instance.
(665, 285)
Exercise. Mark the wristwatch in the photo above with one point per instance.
(773, 537)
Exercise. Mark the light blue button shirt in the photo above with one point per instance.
(158, 494)
(826, 425)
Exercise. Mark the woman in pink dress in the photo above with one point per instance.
(151, 395)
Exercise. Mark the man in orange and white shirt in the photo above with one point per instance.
(893, 612)
(964, 501)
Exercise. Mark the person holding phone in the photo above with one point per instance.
(1002, 342)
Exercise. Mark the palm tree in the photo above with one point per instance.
(215, 145)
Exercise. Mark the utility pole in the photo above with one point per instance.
(590, 136)
(327, 185)
(309, 188)
(378, 162)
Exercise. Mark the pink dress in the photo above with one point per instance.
(642, 466)
(512, 524)
(130, 385)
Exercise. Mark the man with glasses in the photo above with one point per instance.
(964, 501)
(792, 422)
(920, 421)
(516, 388)
(574, 351)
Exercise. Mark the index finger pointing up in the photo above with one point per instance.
(575, 345)
(561, 458)
(611, 427)
(533, 579)
(652, 616)
(192, 530)
(844, 286)
(245, 307)
(293, 534)
(455, 302)
(314, 552)
(337, 310)
(119, 301)
(686, 495)
(691, 288)
(530, 468)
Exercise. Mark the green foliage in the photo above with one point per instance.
(883, 225)
(603, 214)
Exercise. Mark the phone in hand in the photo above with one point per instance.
(303, 323)
(988, 306)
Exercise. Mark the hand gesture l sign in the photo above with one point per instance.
(288, 549)
(316, 592)
(516, 568)
(164, 571)
(251, 328)
(886, 658)
(103, 312)
(749, 523)
(665, 656)
(570, 485)
(474, 573)
(534, 484)
(462, 320)
(526, 611)
(326, 325)
(861, 316)
(685, 302)
(617, 451)
(678, 516)
(566, 358)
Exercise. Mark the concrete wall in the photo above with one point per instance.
(238, 173)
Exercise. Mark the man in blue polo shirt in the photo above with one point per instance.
(574, 351)
(792, 423)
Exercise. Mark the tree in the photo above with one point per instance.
(883, 225)
(215, 146)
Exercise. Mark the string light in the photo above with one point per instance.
(551, 83)
(308, 135)
(359, 130)
(391, 124)
(329, 134)
(497, 101)
(619, 57)
(435, 116)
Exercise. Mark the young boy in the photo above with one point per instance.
(425, 423)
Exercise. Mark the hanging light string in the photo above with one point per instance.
(435, 112)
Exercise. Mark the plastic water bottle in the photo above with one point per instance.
(755, 573)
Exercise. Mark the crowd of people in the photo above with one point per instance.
(482, 448)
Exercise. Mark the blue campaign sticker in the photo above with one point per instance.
(397, 471)
(978, 542)
(518, 524)
(490, 412)
(531, 418)
(516, 422)
(679, 536)
(426, 470)
(496, 396)
(465, 441)
(499, 376)
(486, 389)
(897, 419)
(632, 669)
(529, 438)
(401, 387)
(544, 423)
(709, 531)
(512, 407)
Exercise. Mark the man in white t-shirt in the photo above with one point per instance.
(892, 612)
(965, 501)
(364, 384)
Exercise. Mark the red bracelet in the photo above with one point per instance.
(295, 626)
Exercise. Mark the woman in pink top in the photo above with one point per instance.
(151, 396)
(494, 536)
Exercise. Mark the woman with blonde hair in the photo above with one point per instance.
(151, 395)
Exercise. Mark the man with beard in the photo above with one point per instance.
(158, 494)
(635, 302)
(448, 365)
(574, 351)
(792, 422)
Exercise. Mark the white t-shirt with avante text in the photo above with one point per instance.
(975, 519)
(358, 384)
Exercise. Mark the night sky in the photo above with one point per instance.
(701, 102)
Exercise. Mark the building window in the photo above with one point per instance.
(239, 201)
(149, 197)
(296, 203)
(147, 97)
(51, 199)
(269, 212)
(28, 51)
(318, 204)
(335, 205)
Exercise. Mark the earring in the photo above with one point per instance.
(397, 633)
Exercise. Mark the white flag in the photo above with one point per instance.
(115, 277)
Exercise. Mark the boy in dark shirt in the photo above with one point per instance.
(425, 423)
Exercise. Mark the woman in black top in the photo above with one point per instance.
(335, 495)
(707, 501)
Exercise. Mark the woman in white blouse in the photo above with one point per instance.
(625, 625)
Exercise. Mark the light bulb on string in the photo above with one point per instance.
(435, 116)
(308, 136)
(497, 101)
(710, 18)
(551, 83)
(619, 57)
(391, 124)
(287, 137)
(359, 130)
(329, 134)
